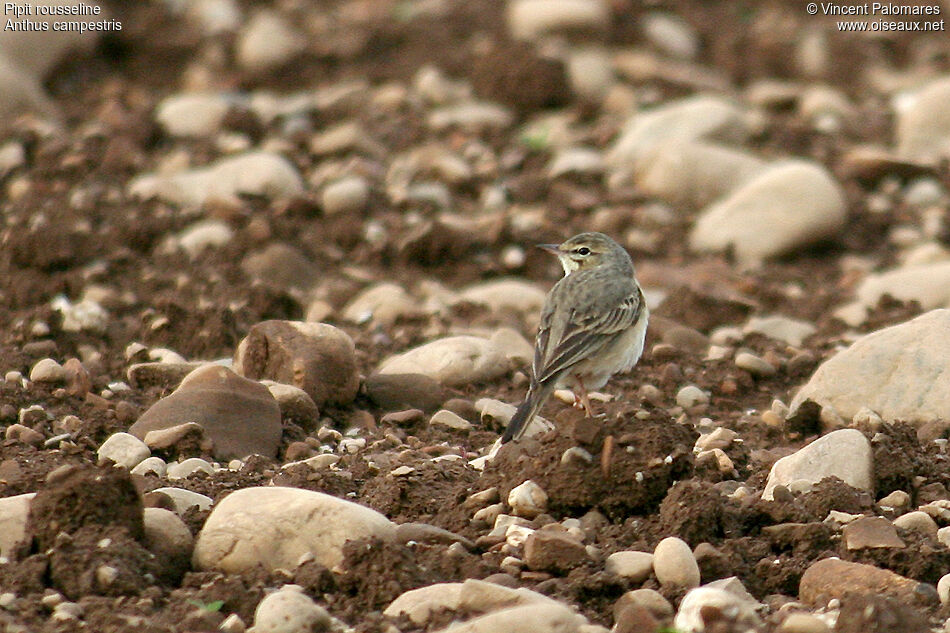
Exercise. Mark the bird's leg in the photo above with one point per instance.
(582, 399)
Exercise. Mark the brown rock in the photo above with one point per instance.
(282, 266)
(871, 532)
(553, 550)
(631, 617)
(404, 391)
(878, 614)
(835, 578)
(316, 357)
(78, 380)
(240, 416)
(155, 374)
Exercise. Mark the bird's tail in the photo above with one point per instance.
(525, 413)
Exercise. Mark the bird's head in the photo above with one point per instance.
(586, 251)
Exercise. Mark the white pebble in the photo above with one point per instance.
(690, 396)
(674, 563)
(48, 370)
(289, 610)
(124, 449)
(528, 500)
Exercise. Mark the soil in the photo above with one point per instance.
(76, 227)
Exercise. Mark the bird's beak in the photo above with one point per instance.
(551, 248)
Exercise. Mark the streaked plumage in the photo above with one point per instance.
(592, 326)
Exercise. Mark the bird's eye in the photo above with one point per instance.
(583, 250)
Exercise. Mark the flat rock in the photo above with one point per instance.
(185, 500)
(693, 173)
(635, 566)
(197, 114)
(898, 372)
(454, 361)
(834, 578)
(316, 357)
(923, 129)
(239, 415)
(529, 19)
(928, 284)
(553, 550)
(845, 454)
(688, 119)
(871, 533)
(281, 265)
(394, 392)
(789, 205)
(254, 173)
(499, 295)
(274, 527)
(550, 617)
(383, 304)
(780, 328)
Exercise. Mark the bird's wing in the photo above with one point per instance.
(564, 340)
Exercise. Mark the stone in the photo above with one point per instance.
(240, 416)
(927, 283)
(124, 449)
(161, 439)
(803, 623)
(78, 380)
(254, 173)
(834, 578)
(49, 371)
(780, 328)
(154, 465)
(274, 527)
(167, 536)
(204, 235)
(449, 420)
(689, 119)
(690, 396)
(382, 304)
(316, 357)
(517, 348)
(576, 160)
(631, 617)
(634, 566)
(870, 533)
(790, 205)
(150, 374)
(553, 550)
(671, 34)
(267, 41)
(419, 604)
(290, 610)
(295, 403)
(923, 128)
(692, 173)
(195, 115)
(897, 372)
(454, 361)
(755, 365)
(674, 564)
(550, 617)
(917, 521)
(470, 116)
(188, 467)
(528, 500)
(702, 600)
(590, 72)
(184, 500)
(845, 454)
(499, 295)
(13, 517)
(395, 392)
(943, 589)
(530, 19)
(281, 265)
(652, 599)
(346, 195)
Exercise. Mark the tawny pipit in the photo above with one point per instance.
(593, 325)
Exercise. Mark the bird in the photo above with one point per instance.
(593, 325)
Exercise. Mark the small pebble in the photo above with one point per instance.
(48, 370)
(754, 364)
(528, 500)
(691, 395)
(674, 563)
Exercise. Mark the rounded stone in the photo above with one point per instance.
(124, 449)
(674, 563)
(48, 370)
(289, 610)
